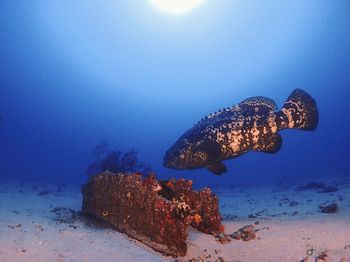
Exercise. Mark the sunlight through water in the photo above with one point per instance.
(177, 7)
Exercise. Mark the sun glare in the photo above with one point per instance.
(177, 7)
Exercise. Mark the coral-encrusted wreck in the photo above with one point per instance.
(156, 213)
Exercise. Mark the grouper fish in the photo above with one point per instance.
(253, 124)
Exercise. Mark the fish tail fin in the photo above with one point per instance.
(299, 111)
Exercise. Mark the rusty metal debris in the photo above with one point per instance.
(154, 212)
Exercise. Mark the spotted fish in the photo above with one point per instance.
(253, 124)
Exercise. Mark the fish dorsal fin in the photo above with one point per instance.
(260, 101)
(216, 114)
(270, 143)
(217, 168)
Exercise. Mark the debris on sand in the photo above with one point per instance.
(245, 233)
(14, 226)
(39, 227)
(331, 208)
(223, 238)
(63, 215)
(43, 193)
(154, 212)
(328, 189)
(311, 185)
(202, 258)
(61, 188)
(322, 257)
(320, 187)
(293, 203)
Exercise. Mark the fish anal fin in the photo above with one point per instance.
(217, 168)
(270, 143)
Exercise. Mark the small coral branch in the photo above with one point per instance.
(115, 161)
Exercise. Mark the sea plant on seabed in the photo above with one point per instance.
(115, 161)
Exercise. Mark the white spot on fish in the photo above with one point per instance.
(288, 113)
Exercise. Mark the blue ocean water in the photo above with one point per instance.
(75, 72)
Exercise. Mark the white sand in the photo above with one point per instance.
(29, 233)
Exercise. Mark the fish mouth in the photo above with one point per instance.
(167, 160)
(166, 163)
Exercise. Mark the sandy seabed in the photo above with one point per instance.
(37, 224)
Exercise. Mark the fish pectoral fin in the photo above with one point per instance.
(270, 144)
(217, 168)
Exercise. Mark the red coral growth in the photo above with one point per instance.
(156, 213)
(204, 203)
